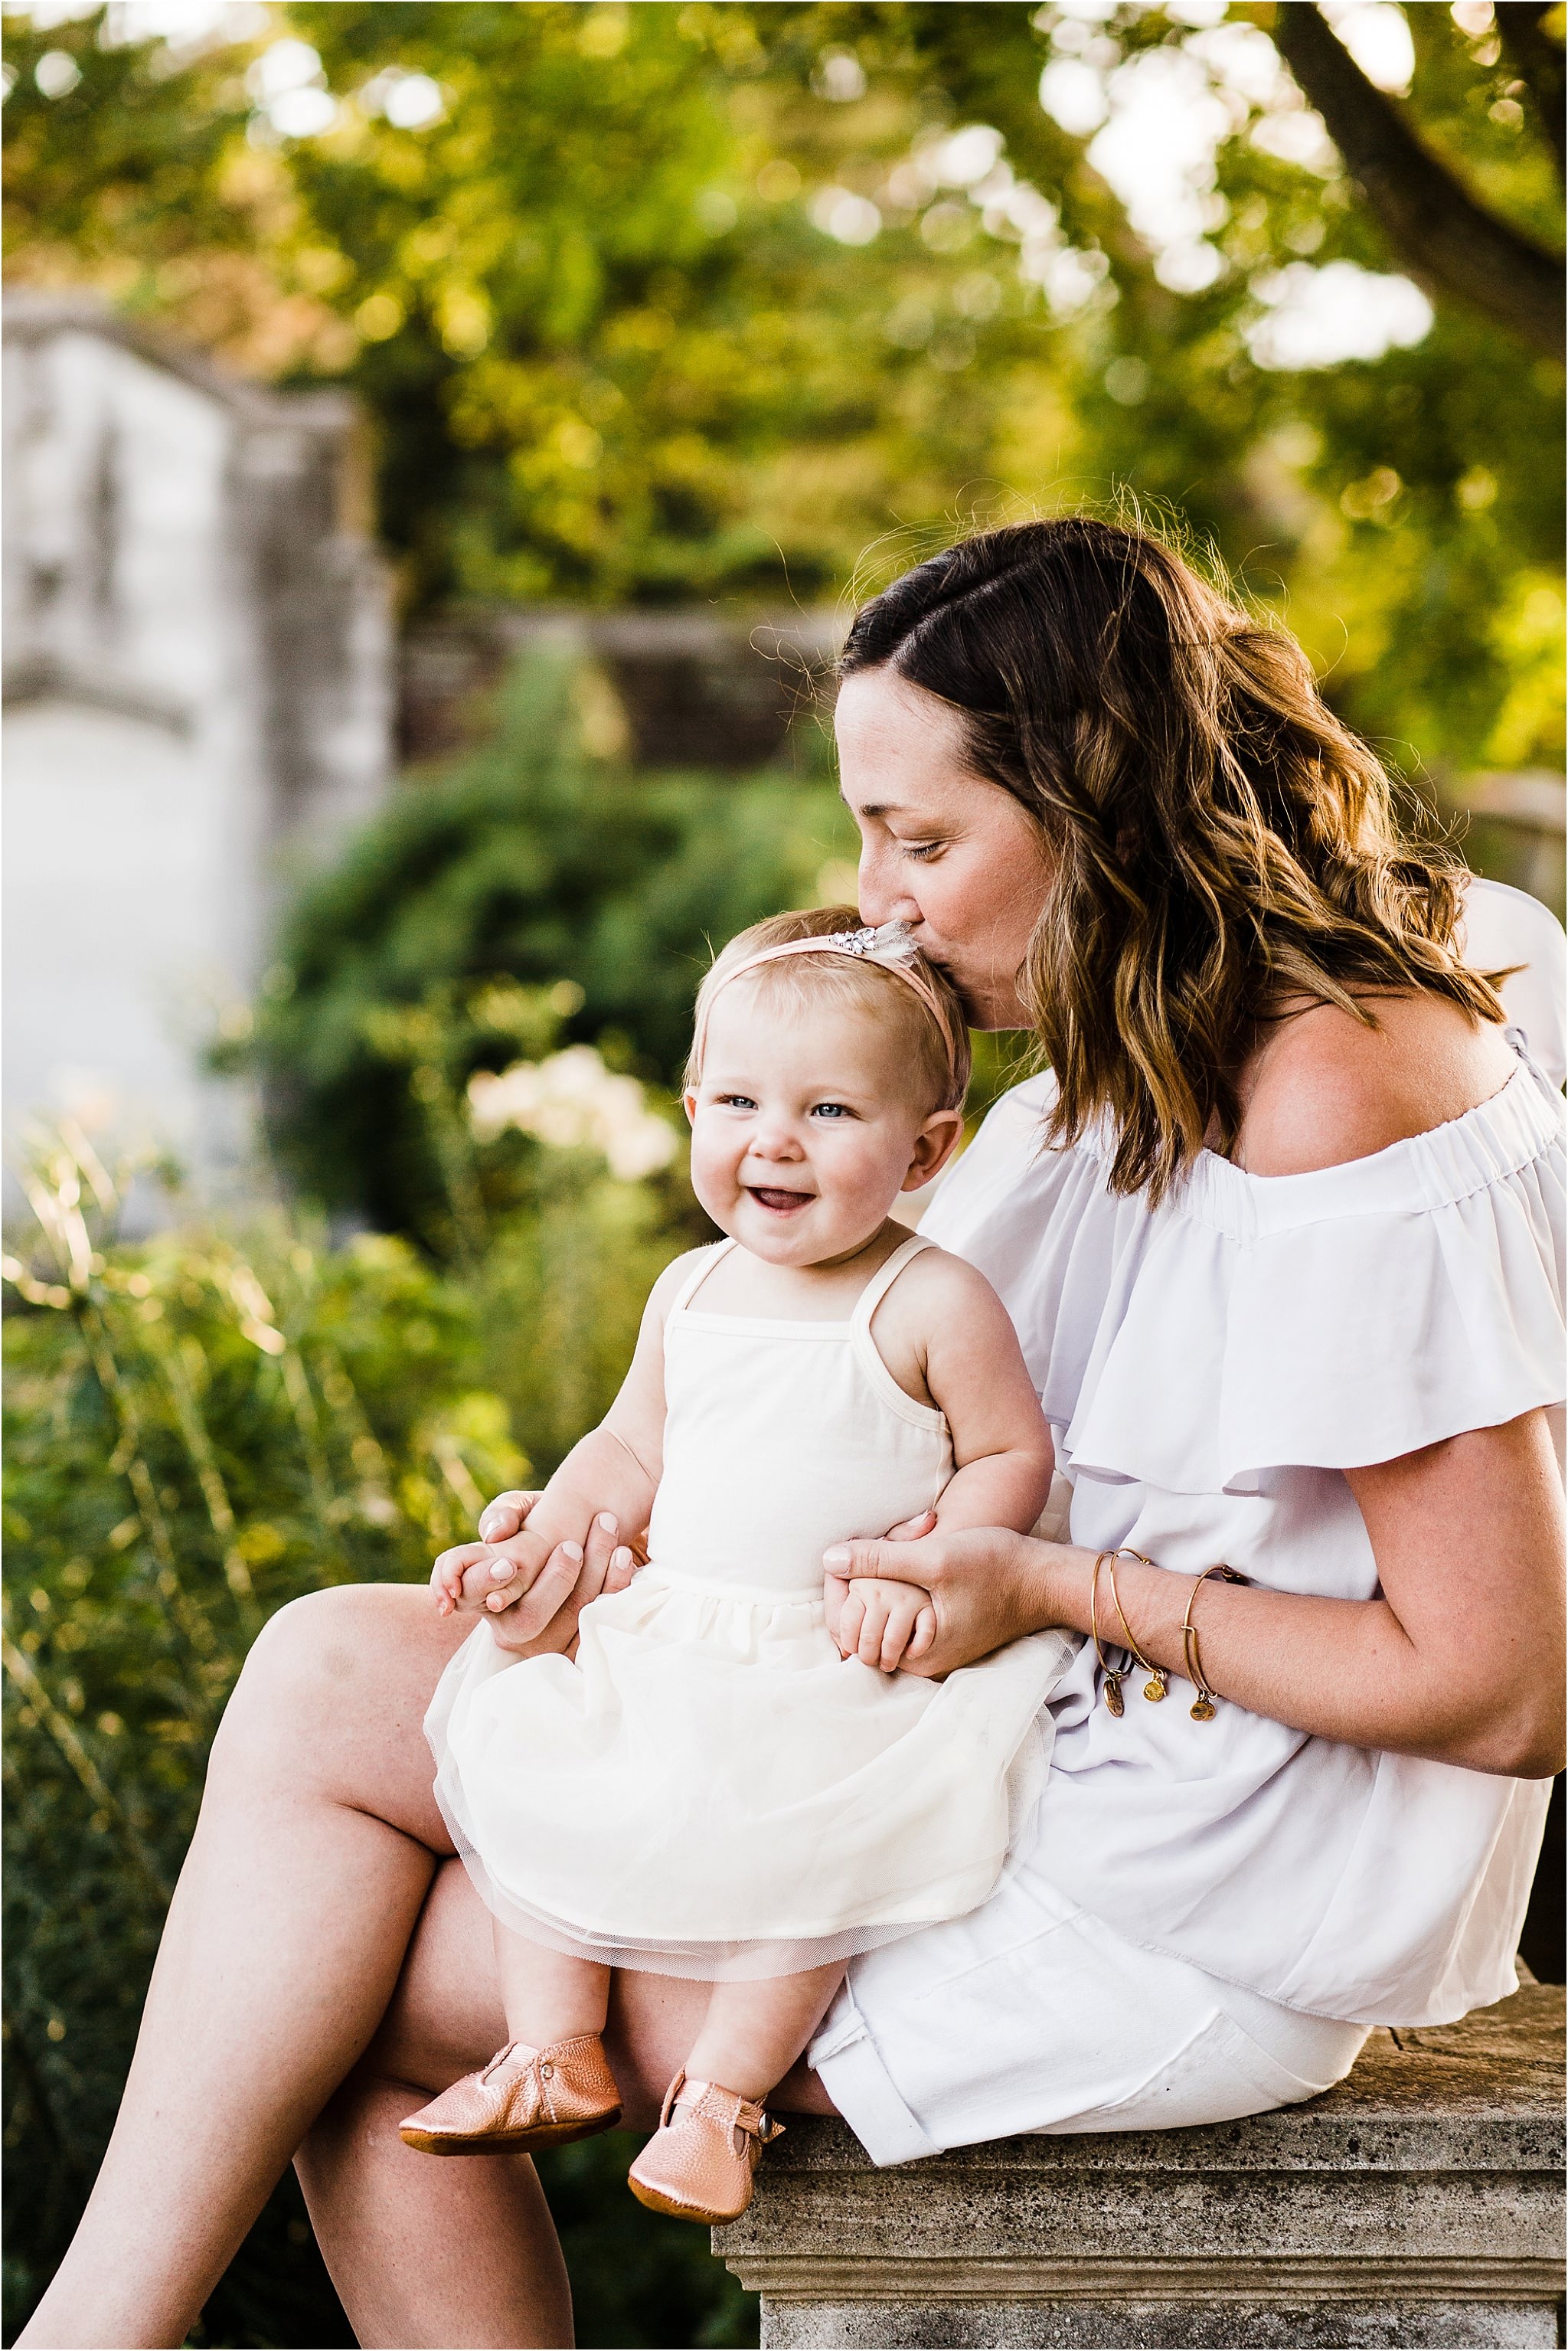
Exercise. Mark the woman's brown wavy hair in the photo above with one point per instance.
(1224, 845)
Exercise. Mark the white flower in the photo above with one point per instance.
(573, 1102)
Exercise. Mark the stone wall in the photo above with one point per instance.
(198, 701)
(682, 689)
(1420, 2202)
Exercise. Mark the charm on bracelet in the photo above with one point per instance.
(1203, 1707)
(1114, 1702)
(1159, 1682)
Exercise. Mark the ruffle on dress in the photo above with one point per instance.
(1327, 1320)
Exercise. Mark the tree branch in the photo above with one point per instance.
(1538, 61)
(1436, 229)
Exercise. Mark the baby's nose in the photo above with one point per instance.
(776, 1139)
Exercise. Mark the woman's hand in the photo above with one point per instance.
(986, 1585)
(533, 1606)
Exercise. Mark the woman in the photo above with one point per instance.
(1282, 1239)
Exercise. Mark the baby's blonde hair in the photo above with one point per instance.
(938, 1050)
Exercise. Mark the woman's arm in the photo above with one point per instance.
(1461, 1659)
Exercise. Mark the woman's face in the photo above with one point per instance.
(941, 848)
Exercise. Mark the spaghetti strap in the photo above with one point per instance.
(707, 1261)
(881, 1281)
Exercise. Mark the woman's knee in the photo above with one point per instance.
(322, 1660)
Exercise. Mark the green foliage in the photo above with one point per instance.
(201, 1426)
(528, 892)
(612, 350)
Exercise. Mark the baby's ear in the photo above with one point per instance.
(689, 1105)
(934, 1147)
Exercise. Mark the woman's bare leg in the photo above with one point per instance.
(314, 1848)
(425, 2252)
(426, 2255)
(316, 1845)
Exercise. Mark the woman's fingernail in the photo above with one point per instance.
(501, 1570)
(838, 1557)
(573, 1552)
(610, 1526)
(620, 1559)
(495, 1601)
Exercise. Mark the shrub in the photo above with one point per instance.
(528, 892)
(201, 1426)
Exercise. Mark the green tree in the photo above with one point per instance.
(668, 302)
(1404, 513)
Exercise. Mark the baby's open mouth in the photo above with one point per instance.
(782, 1204)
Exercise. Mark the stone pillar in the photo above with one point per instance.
(1420, 2202)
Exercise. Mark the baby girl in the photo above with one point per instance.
(715, 1785)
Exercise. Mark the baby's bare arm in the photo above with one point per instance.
(1002, 1451)
(599, 1477)
(612, 1472)
(951, 1321)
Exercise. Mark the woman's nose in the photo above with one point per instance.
(883, 898)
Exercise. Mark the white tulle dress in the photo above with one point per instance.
(709, 1790)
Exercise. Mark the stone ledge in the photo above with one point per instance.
(1197, 2278)
(1162, 2326)
(1418, 2202)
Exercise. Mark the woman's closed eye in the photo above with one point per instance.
(923, 851)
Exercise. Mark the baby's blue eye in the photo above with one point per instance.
(832, 1110)
(736, 1102)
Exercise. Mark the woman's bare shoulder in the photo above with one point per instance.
(1324, 1089)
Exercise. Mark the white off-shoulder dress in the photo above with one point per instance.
(708, 1788)
(1204, 1919)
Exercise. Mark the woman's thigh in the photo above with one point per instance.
(332, 1702)
(445, 2017)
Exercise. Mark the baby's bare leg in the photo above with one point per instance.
(547, 1995)
(753, 2033)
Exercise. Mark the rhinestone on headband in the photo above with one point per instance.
(888, 939)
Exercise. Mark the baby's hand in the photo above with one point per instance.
(885, 1624)
(471, 1575)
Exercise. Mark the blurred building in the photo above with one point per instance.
(677, 688)
(197, 701)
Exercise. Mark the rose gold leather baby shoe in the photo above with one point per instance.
(523, 2098)
(700, 2163)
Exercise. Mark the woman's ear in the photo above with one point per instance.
(933, 1147)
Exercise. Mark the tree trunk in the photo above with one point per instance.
(1443, 237)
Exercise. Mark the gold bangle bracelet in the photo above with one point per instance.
(1158, 1684)
(1114, 1704)
(1202, 1709)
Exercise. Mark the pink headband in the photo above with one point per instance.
(889, 946)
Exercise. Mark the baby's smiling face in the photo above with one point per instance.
(805, 1127)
